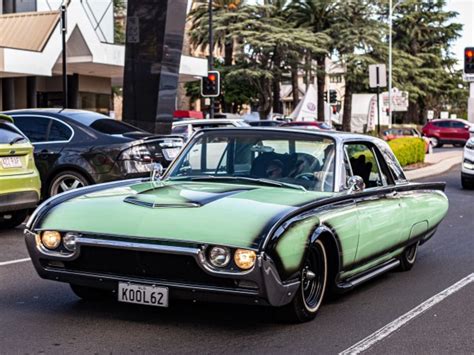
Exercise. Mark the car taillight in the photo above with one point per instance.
(137, 153)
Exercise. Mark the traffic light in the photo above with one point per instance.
(211, 85)
(332, 96)
(469, 60)
(325, 96)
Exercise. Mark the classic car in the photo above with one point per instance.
(266, 216)
(20, 183)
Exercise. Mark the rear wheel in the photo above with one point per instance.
(408, 258)
(309, 297)
(91, 293)
(435, 142)
(66, 181)
(12, 219)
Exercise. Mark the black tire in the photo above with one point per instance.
(408, 257)
(90, 293)
(467, 184)
(307, 301)
(10, 220)
(435, 142)
(66, 181)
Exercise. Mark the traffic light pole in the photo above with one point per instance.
(64, 56)
(211, 55)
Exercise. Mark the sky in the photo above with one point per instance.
(465, 8)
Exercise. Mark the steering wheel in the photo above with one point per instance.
(306, 176)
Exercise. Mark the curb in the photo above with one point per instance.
(433, 170)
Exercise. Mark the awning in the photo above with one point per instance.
(28, 30)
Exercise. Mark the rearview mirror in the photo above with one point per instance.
(355, 184)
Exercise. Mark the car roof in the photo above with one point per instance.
(336, 135)
(207, 121)
(82, 116)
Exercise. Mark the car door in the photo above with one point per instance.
(380, 213)
(48, 135)
(460, 131)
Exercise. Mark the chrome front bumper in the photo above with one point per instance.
(270, 289)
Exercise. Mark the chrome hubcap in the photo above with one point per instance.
(66, 183)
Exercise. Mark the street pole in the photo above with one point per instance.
(390, 19)
(64, 56)
(378, 101)
(211, 55)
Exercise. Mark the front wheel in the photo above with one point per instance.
(408, 258)
(12, 219)
(435, 142)
(309, 297)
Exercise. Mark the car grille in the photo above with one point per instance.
(146, 265)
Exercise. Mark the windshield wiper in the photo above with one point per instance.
(241, 178)
(16, 140)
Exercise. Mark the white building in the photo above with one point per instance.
(31, 48)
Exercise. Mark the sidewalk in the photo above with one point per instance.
(441, 162)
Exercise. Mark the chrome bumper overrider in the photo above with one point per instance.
(264, 274)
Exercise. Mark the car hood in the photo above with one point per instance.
(195, 212)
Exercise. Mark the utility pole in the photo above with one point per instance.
(64, 55)
(211, 55)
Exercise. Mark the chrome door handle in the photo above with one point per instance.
(392, 194)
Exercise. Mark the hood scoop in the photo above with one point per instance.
(175, 196)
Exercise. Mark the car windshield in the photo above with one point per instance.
(9, 135)
(279, 159)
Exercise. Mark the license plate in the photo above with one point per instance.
(143, 294)
(170, 153)
(10, 162)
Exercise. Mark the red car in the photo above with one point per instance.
(447, 132)
(307, 125)
(394, 133)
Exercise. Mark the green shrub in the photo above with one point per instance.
(408, 150)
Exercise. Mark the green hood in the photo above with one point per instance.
(196, 212)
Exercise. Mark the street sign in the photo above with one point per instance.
(444, 115)
(133, 29)
(430, 114)
(453, 116)
(377, 76)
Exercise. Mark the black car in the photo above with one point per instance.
(75, 148)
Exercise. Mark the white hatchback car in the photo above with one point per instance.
(467, 171)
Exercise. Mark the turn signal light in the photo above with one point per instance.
(245, 259)
(51, 239)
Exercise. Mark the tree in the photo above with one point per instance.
(120, 10)
(270, 43)
(199, 33)
(425, 30)
(357, 37)
(320, 17)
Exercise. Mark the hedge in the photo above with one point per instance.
(408, 150)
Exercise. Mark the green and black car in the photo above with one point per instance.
(273, 216)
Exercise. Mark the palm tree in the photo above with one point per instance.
(223, 39)
(320, 17)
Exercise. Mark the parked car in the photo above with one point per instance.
(75, 148)
(308, 125)
(467, 169)
(19, 180)
(186, 128)
(270, 216)
(394, 133)
(446, 132)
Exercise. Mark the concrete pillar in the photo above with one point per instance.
(31, 96)
(8, 94)
(154, 41)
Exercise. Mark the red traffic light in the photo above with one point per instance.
(212, 77)
(469, 53)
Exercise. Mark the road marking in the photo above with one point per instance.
(4, 263)
(387, 330)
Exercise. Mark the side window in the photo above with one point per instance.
(364, 163)
(59, 132)
(457, 125)
(35, 128)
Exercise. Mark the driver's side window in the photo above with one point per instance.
(363, 162)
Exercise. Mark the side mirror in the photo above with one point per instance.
(156, 172)
(355, 184)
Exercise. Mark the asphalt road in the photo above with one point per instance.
(38, 316)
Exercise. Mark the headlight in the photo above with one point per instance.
(219, 256)
(468, 164)
(51, 239)
(470, 144)
(245, 259)
(69, 241)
